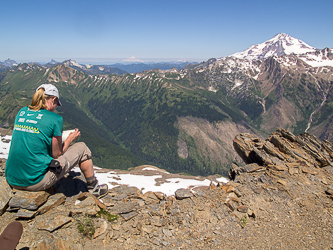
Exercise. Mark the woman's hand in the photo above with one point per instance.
(59, 148)
(73, 136)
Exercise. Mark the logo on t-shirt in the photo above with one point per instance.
(39, 116)
(31, 121)
(22, 113)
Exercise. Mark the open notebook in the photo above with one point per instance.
(66, 133)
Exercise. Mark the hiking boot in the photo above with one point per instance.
(99, 191)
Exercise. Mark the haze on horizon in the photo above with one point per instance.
(193, 30)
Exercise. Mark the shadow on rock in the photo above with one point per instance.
(72, 184)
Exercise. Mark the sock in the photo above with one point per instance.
(91, 182)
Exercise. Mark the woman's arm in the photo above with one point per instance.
(59, 148)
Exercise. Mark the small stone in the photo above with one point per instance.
(147, 229)
(86, 206)
(159, 222)
(167, 232)
(108, 201)
(237, 192)
(257, 190)
(156, 241)
(231, 204)
(282, 182)
(175, 211)
(123, 208)
(116, 227)
(25, 214)
(183, 193)
(53, 201)
(217, 232)
(127, 190)
(129, 216)
(160, 195)
(119, 197)
(329, 190)
(141, 203)
(149, 197)
(85, 195)
(293, 171)
(99, 231)
(227, 188)
(237, 215)
(164, 243)
(232, 195)
(242, 209)
(250, 213)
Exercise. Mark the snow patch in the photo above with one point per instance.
(5, 146)
(237, 84)
(319, 59)
(149, 183)
(212, 89)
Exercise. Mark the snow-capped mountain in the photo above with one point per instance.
(279, 45)
(282, 48)
(132, 59)
(72, 63)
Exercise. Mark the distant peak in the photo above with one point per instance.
(281, 35)
(281, 44)
(132, 59)
(9, 62)
(53, 61)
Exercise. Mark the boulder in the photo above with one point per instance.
(282, 149)
(183, 193)
(29, 200)
(51, 222)
(5, 194)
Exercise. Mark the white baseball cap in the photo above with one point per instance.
(50, 89)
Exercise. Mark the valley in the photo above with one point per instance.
(184, 120)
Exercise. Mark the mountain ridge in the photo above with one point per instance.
(181, 120)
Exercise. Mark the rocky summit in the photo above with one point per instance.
(281, 198)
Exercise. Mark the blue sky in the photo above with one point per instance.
(102, 31)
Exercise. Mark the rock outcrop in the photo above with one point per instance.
(282, 198)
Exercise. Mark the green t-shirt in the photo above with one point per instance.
(30, 151)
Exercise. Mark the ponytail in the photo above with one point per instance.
(39, 100)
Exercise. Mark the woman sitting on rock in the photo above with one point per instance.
(37, 157)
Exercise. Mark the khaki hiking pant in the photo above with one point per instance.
(74, 155)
